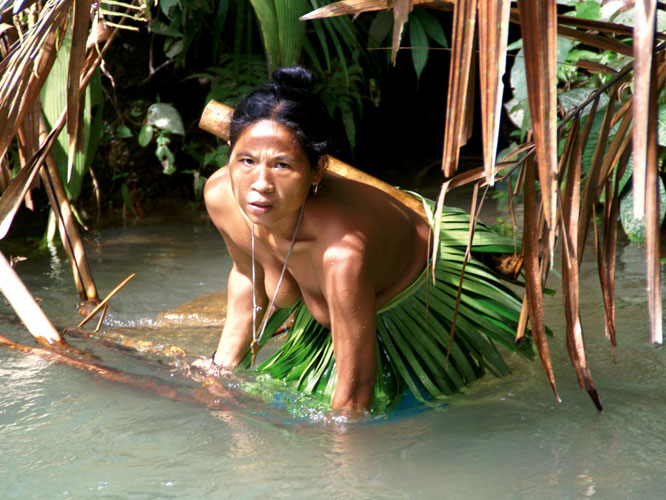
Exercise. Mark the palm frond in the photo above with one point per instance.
(493, 34)
(462, 43)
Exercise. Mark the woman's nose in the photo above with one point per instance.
(262, 181)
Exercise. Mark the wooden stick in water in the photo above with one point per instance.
(213, 397)
(103, 303)
(101, 317)
(26, 307)
(69, 233)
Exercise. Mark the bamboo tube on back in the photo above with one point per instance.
(216, 118)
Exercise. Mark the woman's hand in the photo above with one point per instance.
(209, 366)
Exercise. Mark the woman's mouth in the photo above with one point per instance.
(260, 207)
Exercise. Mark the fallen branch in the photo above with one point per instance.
(99, 306)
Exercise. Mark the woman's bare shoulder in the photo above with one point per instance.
(217, 190)
(217, 184)
(219, 197)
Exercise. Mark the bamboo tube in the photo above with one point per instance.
(67, 226)
(25, 306)
(216, 118)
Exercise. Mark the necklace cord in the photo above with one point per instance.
(256, 338)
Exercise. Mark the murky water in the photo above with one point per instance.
(65, 433)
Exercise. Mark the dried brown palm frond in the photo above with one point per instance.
(493, 34)
(456, 129)
(644, 143)
(25, 69)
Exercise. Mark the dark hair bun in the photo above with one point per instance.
(293, 81)
(290, 101)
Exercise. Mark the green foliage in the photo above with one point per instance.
(228, 84)
(182, 22)
(282, 32)
(575, 86)
(635, 228)
(123, 132)
(164, 119)
(422, 29)
(205, 157)
(341, 91)
(332, 48)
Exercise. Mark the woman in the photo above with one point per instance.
(336, 250)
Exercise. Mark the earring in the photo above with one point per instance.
(315, 188)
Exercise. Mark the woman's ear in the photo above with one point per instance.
(319, 170)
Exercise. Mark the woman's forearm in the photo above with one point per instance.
(237, 332)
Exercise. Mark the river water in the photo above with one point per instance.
(66, 433)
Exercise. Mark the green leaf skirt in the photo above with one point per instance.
(414, 328)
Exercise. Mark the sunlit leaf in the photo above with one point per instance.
(166, 117)
(145, 135)
(589, 10)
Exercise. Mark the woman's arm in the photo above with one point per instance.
(350, 295)
(237, 331)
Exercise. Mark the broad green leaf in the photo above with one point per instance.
(588, 150)
(265, 11)
(291, 31)
(175, 48)
(627, 18)
(164, 116)
(350, 124)
(161, 28)
(419, 43)
(519, 79)
(380, 28)
(54, 101)
(431, 25)
(123, 132)
(564, 46)
(145, 135)
(167, 6)
(127, 199)
(589, 10)
(635, 228)
(573, 98)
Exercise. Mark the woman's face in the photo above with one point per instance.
(270, 174)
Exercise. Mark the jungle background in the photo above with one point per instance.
(185, 53)
(551, 119)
